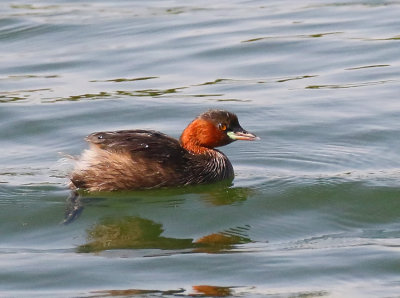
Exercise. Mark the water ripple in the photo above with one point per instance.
(313, 210)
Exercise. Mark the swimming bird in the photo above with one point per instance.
(147, 159)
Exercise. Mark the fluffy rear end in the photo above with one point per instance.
(101, 170)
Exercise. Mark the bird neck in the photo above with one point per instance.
(200, 137)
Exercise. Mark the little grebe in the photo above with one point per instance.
(143, 159)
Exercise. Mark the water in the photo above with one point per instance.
(314, 209)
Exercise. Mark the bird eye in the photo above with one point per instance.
(222, 126)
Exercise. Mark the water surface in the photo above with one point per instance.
(314, 208)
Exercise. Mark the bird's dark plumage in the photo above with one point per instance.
(143, 159)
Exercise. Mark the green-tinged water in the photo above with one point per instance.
(314, 210)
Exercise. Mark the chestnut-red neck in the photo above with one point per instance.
(200, 137)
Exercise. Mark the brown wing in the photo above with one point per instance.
(144, 143)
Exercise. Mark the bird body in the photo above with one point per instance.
(146, 159)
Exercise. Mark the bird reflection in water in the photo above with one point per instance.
(198, 291)
(139, 233)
